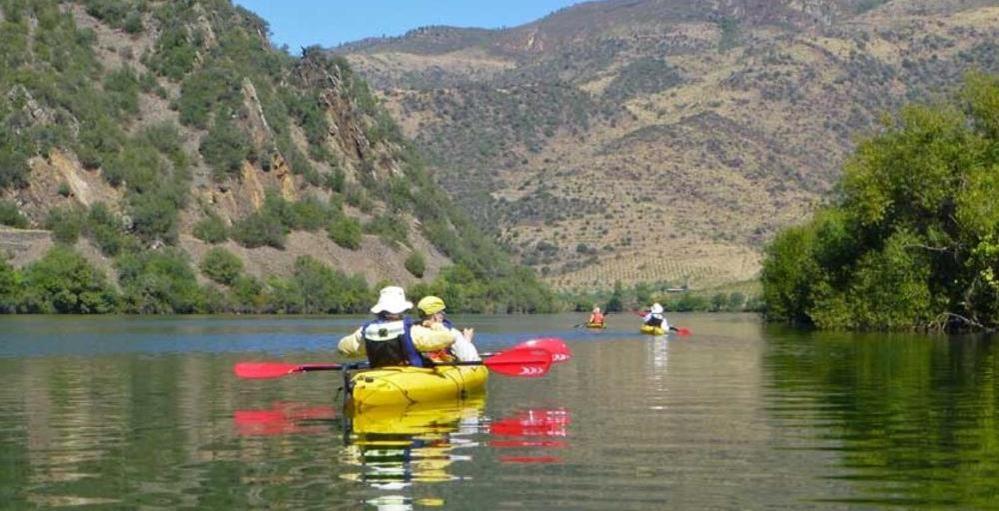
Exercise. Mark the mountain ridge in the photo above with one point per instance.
(724, 121)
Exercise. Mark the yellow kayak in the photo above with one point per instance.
(401, 386)
(596, 326)
(652, 330)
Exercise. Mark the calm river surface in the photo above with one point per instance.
(145, 413)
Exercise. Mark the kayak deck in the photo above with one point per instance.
(407, 385)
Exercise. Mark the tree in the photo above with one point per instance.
(911, 242)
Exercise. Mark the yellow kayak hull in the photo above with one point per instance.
(401, 386)
(596, 326)
(652, 330)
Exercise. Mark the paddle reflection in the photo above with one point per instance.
(284, 419)
(527, 430)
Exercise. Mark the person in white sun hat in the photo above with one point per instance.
(394, 339)
(655, 318)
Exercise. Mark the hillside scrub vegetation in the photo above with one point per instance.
(912, 242)
(169, 130)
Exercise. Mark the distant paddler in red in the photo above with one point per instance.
(596, 319)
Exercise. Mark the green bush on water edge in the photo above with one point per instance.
(912, 239)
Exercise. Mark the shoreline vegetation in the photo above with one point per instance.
(911, 241)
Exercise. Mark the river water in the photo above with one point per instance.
(126, 413)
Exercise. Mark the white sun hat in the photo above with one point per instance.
(392, 299)
(657, 309)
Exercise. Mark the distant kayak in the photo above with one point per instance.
(596, 326)
(395, 386)
(652, 330)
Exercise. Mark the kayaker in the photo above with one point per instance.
(394, 339)
(596, 318)
(655, 318)
(431, 310)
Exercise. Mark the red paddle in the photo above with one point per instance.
(557, 347)
(528, 362)
(264, 370)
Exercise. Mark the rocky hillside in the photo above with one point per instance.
(665, 140)
(154, 135)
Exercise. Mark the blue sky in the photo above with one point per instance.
(299, 23)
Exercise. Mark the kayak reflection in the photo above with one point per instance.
(398, 446)
(393, 448)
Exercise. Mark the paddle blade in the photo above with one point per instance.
(557, 347)
(266, 370)
(524, 362)
(263, 370)
(682, 332)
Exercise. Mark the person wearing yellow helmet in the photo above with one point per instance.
(431, 310)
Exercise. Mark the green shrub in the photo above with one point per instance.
(211, 229)
(222, 266)
(225, 148)
(154, 216)
(133, 23)
(174, 54)
(64, 282)
(121, 88)
(160, 282)
(10, 287)
(416, 265)
(247, 294)
(324, 290)
(311, 214)
(346, 232)
(105, 229)
(112, 12)
(389, 228)
(13, 160)
(213, 89)
(11, 216)
(65, 224)
(260, 229)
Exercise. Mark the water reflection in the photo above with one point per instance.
(391, 449)
(914, 420)
(396, 447)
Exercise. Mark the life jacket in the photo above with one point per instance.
(390, 343)
(444, 355)
(596, 318)
(655, 320)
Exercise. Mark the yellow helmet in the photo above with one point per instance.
(430, 305)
